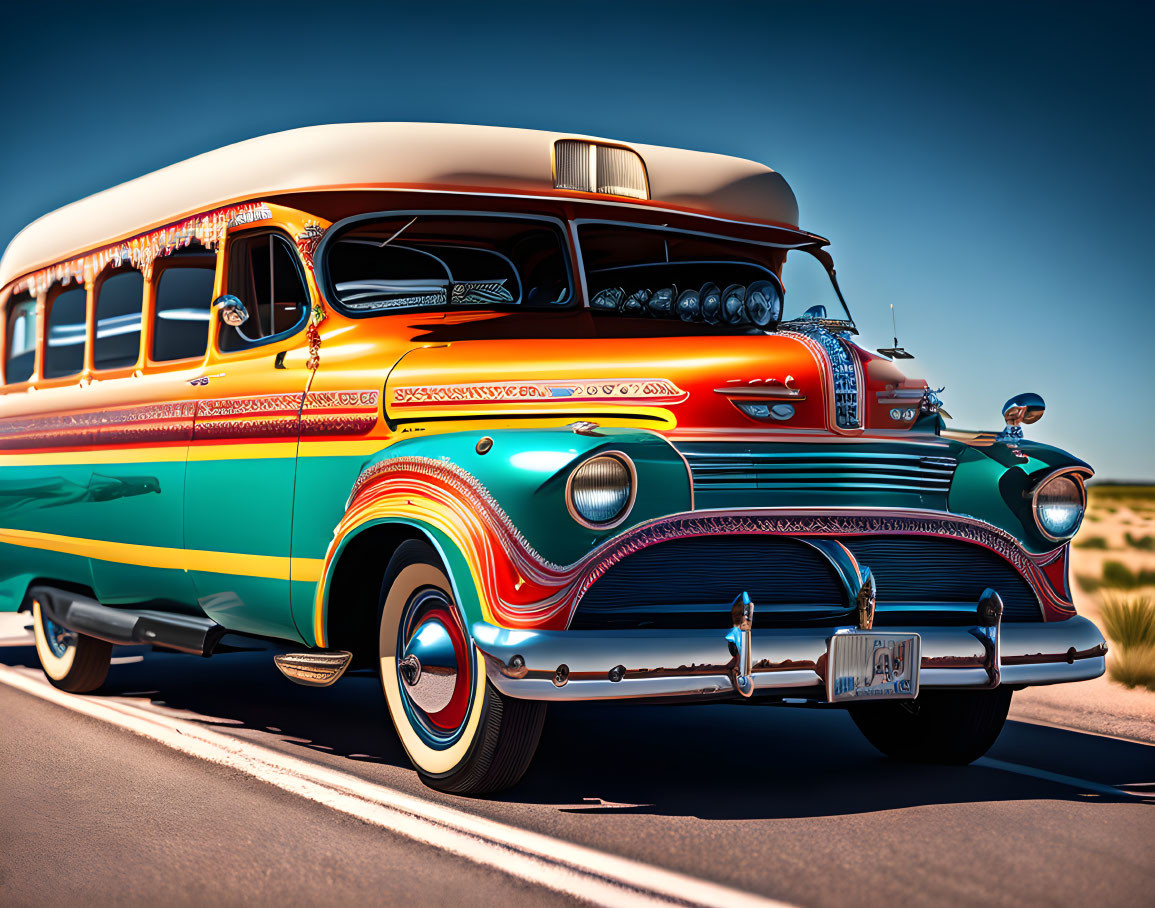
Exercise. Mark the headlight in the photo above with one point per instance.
(601, 491)
(1058, 504)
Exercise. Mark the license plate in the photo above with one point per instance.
(864, 665)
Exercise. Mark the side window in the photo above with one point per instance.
(66, 334)
(119, 298)
(184, 298)
(21, 339)
(265, 275)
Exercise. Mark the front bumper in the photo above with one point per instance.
(603, 665)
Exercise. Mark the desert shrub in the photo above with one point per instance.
(1092, 542)
(1130, 623)
(1143, 543)
(1129, 620)
(1117, 575)
(1133, 667)
(1100, 491)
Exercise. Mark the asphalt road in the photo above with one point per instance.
(790, 804)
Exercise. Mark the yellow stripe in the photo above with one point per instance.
(267, 449)
(197, 452)
(273, 567)
(317, 448)
(86, 456)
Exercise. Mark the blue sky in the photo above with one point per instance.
(986, 168)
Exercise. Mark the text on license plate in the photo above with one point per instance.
(864, 665)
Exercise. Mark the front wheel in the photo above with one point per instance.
(461, 734)
(73, 662)
(939, 726)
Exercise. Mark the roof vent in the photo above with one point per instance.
(594, 167)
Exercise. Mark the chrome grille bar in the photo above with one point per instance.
(720, 466)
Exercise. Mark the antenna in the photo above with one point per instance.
(895, 352)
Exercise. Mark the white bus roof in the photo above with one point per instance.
(394, 155)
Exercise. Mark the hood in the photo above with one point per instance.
(780, 381)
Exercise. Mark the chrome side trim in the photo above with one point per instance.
(693, 663)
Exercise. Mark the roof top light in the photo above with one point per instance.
(594, 167)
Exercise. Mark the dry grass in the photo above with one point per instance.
(1102, 491)
(1134, 667)
(1130, 623)
(1142, 543)
(1113, 565)
(1129, 620)
(1117, 576)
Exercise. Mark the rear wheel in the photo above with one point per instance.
(460, 733)
(73, 662)
(939, 726)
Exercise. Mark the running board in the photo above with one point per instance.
(184, 633)
(315, 668)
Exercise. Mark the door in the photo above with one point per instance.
(240, 475)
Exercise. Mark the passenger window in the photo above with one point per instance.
(184, 297)
(265, 275)
(119, 298)
(67, 332)
(21, 339)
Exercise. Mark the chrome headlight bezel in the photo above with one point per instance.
(631, 491)
(1073, 475)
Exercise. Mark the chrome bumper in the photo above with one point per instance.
(602, 665)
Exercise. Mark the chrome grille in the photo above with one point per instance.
(843, 371)
(691, 582)
(726, 467)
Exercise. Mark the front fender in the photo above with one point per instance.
(500, 518)
(993, 482)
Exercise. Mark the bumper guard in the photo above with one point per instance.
(601, 665)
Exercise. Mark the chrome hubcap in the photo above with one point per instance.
(434, 666)
(429, 666)
(60, 639)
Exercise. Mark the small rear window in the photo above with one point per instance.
(67, 333)
(21, 359)
(429, 261)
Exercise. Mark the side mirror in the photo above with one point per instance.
(231, 310)
(1022, 409)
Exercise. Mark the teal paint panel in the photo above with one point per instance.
(247, 605)
(302, 594)
(137, 503)
(243, 506)
(526, 472)
(322, 489)
(20, 565)
(240, 505)
(993, 484)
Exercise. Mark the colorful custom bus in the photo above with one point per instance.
(510, 417)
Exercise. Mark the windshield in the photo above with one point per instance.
(636, 270)
(411, 260)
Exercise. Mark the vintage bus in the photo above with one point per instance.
(510, 417)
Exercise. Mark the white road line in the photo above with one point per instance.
(1073, 781)
(573, 870)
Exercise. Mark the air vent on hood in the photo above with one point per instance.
(593, 167)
